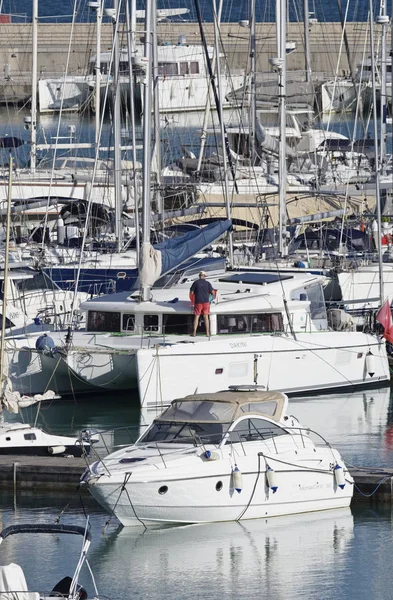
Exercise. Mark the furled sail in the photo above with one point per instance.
(268, 143)
(162, 258)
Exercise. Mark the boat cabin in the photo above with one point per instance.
(225, 417)
(244, 305)
(173, 60)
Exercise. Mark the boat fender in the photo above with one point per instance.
(370, 363)
(209, 455)
(237, 479)
(57, 449)
(271, 477)
(339, 476)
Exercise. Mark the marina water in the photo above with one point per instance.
(334, 554)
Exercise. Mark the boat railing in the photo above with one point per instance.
(239, 440)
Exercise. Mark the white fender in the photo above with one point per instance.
(370, 363)
(56, 449)
(271, 477)
(237, 479)
(339, 476)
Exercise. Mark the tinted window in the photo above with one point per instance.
(183, 68)
(250, 430)
(150, 323)
(176, 323)
(167, 69)
(258, 323)
(29, 436)
(185, 433)
(128, 322)
(103, 321)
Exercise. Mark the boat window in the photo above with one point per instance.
(317, 302)
(250, 430)
(150, 322)
(200, 410)
(194, 67)
(185, 433)
(124, 68)
(177, 324)
(267, 408)
(258, 323)
(103, 321)
(183, 68)
(40, 281)
(104, 68)
(167, 68)
(30, 436)
(8, 323)
(128, 322)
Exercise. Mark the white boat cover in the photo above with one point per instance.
(13, 584)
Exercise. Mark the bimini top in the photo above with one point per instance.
(225, 407)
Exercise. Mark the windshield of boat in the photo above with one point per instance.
(185, 433)
(200, 410)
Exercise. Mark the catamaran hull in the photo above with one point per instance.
(315, 362)
(32, 372)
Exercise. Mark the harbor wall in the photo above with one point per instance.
(54, 41)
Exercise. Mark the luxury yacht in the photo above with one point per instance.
(226, 456)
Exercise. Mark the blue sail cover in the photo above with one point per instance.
(176, 251)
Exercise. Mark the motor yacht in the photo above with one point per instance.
(25, 439)
(226, 456)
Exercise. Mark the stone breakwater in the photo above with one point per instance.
(54, 41)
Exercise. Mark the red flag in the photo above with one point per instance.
(384, 317)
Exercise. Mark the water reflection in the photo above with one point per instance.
(229, 559)
(358, 424)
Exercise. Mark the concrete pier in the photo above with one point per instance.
(55, 474)
(54, 40)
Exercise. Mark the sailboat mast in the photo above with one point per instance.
(117, 130)
(34, 69)
(130, 14)
(147, 106)
(282, 85)
(376, 156)
(222, 129)
(383, 20)
(5, 282)
(253, 67)
(97, 99)
(307, 51)
(156, 157)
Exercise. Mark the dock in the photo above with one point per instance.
(28, 473)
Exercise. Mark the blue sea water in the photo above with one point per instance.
(233, 11)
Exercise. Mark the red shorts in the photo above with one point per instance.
(202, 309)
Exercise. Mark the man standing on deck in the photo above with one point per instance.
(201, 290)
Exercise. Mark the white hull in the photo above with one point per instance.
(338, 96)
(67, 94)
(32, 372)
(187, 93)
(196, 500)
(312, 362)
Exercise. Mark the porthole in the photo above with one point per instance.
(163, 489)
(219, 486)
